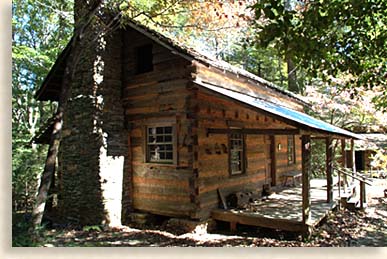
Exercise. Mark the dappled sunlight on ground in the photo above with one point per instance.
(341, 228)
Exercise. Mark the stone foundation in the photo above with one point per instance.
(142, 218)
(188, 226)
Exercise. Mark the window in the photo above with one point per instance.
(291, 150)
(236, 154)
(160, 144)
(144, 58)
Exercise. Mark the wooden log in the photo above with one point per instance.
(353, 156)
(343, 154)
(255, 220)
(178, 199)
(363, 197)
(157, 77)
(273, 158)
(166, 208)
(306, 170)
(216, 172)
(329, 168)
(242, 84)
(136, 91)
(222, 199)
(210, 200)
(234, 183)
(256, 131)
(161, 172)
(233, 226)
(218, 151)
(160, 186)
(243, 108)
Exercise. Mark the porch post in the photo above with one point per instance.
(353, 156)
(343, 154)
(329, 168)
(306, 167)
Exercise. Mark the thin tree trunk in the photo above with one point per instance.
(49, 168)
(292, 76)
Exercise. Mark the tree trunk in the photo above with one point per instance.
(72, 61)
(292, 76)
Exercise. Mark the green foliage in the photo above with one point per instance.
(330, 38)
(318, 159)
(379, 160)
(21, 236)
(264, 62)
(92, 228)
(40, 31)
(213, 26)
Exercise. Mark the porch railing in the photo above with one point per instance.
(344, 173)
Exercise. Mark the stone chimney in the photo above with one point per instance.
(93, 149)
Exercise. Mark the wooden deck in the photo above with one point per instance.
(283, 209)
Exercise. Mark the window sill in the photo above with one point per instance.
(238, 174)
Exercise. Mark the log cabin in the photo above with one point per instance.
(365, 152)
(155, 127)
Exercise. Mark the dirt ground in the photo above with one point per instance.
(341, 228)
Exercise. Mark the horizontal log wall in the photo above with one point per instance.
(282, 164)
(188, 188)
(159, 96)
(240, 83)
(213, 160)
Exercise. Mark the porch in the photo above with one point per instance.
(283, 209)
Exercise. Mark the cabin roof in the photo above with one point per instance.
(50, 87)
(52, 84)
(302, 120)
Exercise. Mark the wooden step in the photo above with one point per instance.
(344, 198)
(352, 204)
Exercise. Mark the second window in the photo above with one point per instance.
(237, 163)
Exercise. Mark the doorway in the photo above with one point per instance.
(359, 160)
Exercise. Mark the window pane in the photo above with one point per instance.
(168, 130)
(151, 139)
(169, 155)
(157, 148)
(235, 156)
(236, 153)
(169, 147)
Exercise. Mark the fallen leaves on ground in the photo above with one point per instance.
(342, 228)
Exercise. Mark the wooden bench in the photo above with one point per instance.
(292, 176)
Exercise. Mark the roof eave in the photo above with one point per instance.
(60, 61)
